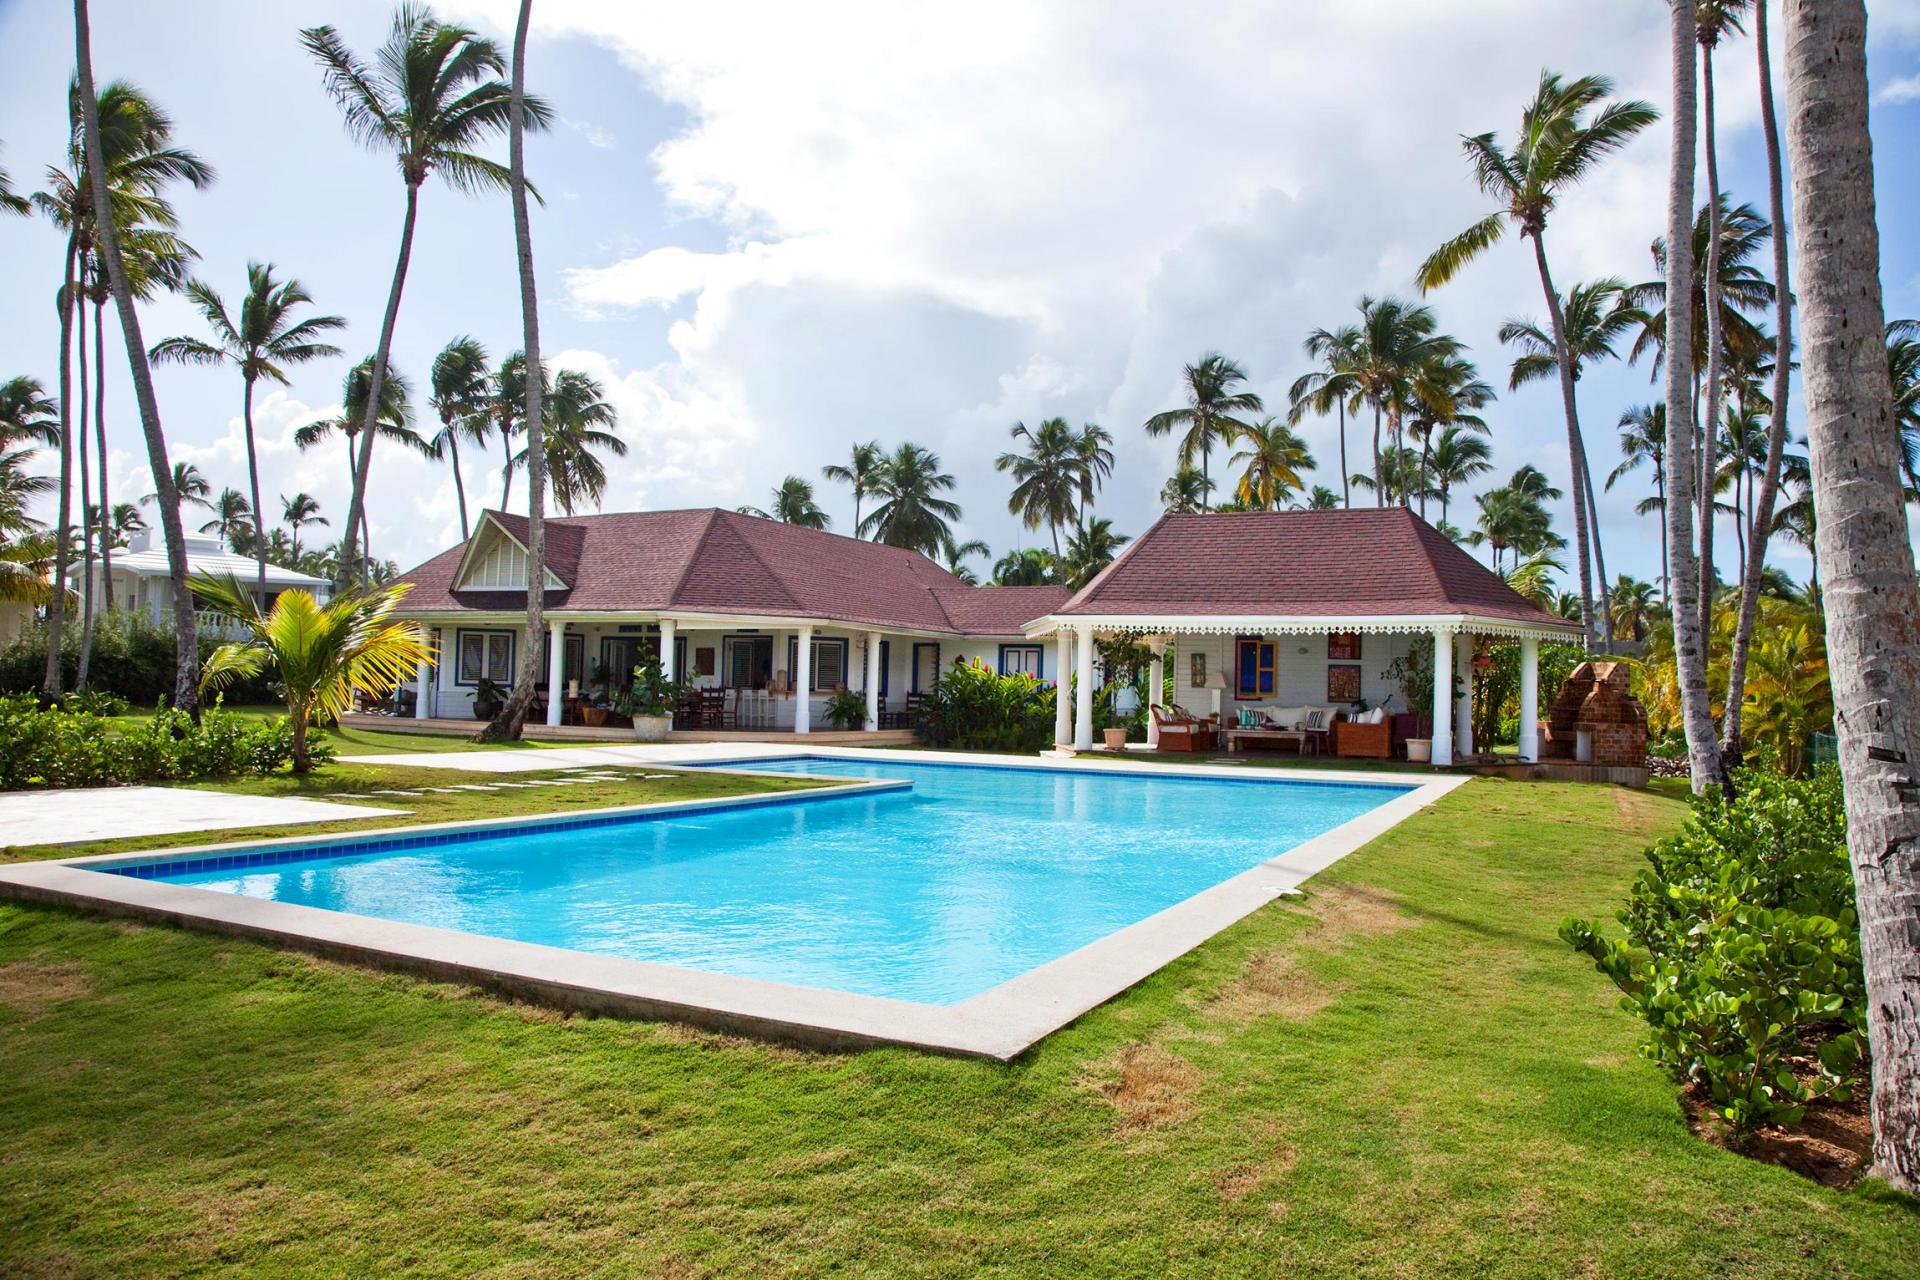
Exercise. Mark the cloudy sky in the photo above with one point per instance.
(775, 229)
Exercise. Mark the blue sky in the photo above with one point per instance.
(775, 230)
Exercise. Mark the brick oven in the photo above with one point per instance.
(1596, 719)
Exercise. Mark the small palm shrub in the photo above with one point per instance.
(43, 747)
(1742, 950)
(973, 708)
(847, 709)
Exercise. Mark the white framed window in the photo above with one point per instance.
(483, 655)
(1023, 660)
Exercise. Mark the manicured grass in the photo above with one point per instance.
(368, 742)
(351, 783)
(1404, 1073)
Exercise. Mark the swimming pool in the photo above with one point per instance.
(934, 893)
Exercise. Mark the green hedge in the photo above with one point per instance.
(57, 747)
(973, 708)
(1742, 950)
(131, 657)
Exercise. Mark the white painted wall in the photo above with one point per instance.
(1300, 679)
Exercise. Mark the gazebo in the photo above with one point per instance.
(1301, 606)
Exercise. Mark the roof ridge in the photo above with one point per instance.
(1112, 565)
(700, 540)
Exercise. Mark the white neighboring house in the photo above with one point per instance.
(143, 582)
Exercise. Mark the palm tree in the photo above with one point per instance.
(232, 520)
(1029, 567)
(1321, 499)
(1185, 492)
(27, 413)
(1095, 456)
(1643, 438)
(1398, 343)
(912, 513)
(1870, 597)
(1457, 457)
(121, 523)
(1272, 462)
(1685, 588)
(429, 97)
(1091, 549)
(189, 484)
(1332, 386)
(394, 422)
(1049, 477)
(1402, 478)
(507, 405)
(956, 554)
(1633, 606)
(322, 654)
(1209, 413)
(1515, 516)
(19, 489)
(266, 340)
(460, 400)
(1558, 145)
(1446, 390)
(578, 422)
(9, 202)
(793, 504)
(297, 513)
(1903, 374)
(860, 473)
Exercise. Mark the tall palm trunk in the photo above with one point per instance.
(459, 487)
(1346, 495)
(1768, 491)
(1379, 486)
(513, 716)
(81, 670)
(1716, 342)
(363, 466)
(51, 680)
(1689, 654)
(186, 676)
(100, 456)
(1575, 451)
(1206, 473)
(253, 481)
(1660, 492)
(506, 452)
(1605, 602)
(1871, 600)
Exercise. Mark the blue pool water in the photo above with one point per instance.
(934, 894)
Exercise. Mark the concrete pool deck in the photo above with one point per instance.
(998, 1023)
(85, 814)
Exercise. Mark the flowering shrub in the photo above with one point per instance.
(54, 747)
(971, 707)
(1742, 951)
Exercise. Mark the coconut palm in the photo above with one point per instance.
(1321, 499)
(9, 202)
(578, 425)
(121, 523)
(860, 473)
(1331, 387)
(1185, 492)
(1049, 476)
(1090, 549)
(27, 413)
(1634, 603)
(192, 487)
(1870, 596)
(1903, 374)
(1399, 345)
(233, 520)
(1643, 439)
(1565, 132)
(1447, 391)
(429, 97)
(459, 398)
(1093, 450)
(1028, 567)
(19, 490)
(793, 504)
(321, 654)
(262, 344)
(1271, 463)
(1457, 457)
(1209, 414)
(1401, 478)
(912, 514)
(956, 554)
(297, 513)
(394, 422)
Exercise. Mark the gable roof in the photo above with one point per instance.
(1338, 564)
(712, 561)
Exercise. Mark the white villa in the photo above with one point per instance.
(143, 582)
(1263, 610)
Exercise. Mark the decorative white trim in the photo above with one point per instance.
(468, 558)
(1296, 624)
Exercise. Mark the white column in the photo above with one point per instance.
(1442, 697)
(1156, 685)
(802, 680)
(1529, 699)
(1062, 687)
(666, 649)
(1083, 693)
(423, 689)
(556, 668)
(1463, 708)
(873, 679)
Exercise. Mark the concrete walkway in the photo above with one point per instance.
(626, 755)
(116, 813)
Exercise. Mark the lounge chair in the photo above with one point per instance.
(1182, 731)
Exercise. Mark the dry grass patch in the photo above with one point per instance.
(1242, 1179)
(1275, 983)
(34, 986)
(1149, 1088)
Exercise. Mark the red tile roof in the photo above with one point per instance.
(1350, 563)
(713, 561)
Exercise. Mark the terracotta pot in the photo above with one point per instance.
(1116, 739)
(593, 716)
(1419, 750)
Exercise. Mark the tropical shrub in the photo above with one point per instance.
(847, 709)
(974, 708)
(132, 659)
(59, 747)
(1742, 950)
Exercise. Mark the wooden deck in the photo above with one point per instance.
(466, 728)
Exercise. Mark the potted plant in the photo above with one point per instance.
(488, 697)
(649, 701)
(595, 707)
(1413, 671)
(847, 709)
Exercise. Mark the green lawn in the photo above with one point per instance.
(1403, 1074)
(397, 741)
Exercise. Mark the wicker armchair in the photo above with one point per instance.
(1181, 731)
(1363, 741)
